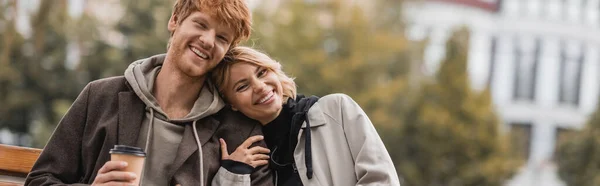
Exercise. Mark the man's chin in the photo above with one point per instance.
(196, 71)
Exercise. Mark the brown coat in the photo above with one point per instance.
(108, 112)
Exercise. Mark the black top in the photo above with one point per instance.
(281, 136)
(277, 137)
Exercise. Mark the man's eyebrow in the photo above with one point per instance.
(200, 19)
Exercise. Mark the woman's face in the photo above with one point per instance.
(255, 91)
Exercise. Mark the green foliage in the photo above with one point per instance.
(334, 47)
(578, 158)
(451, 134)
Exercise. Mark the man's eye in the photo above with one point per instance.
(223, 38)
(201, 25)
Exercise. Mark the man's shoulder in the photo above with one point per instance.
(234, 120)
(226, 114)
(235, 127)
(109, 84)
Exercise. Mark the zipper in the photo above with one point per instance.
(295, 168)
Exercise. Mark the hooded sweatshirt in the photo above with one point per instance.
(281, 136)
(159, 134)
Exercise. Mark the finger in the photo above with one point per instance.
(257, 157)
(116, 176)
(112, 165)
(259, 163)
(224, 153)
(258, 149)
(251, 140)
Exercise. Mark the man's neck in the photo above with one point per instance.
(176, 92)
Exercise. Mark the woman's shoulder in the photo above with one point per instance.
(333, 105)
(335, 100)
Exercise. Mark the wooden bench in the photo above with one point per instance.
(15, 164)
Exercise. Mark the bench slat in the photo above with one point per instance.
(2, 183)
(17, 159)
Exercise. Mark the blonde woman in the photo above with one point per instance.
(313, 141)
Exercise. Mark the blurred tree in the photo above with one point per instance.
(41, 76)
(578, 158)
(451, 133)
(144, 27)
(42, 84)
(10, 47)
(333, 46)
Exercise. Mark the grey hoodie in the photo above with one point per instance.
(162, 134)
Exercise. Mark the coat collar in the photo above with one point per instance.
(316, 116)
(206, 129)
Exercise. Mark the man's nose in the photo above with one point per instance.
(207, 40)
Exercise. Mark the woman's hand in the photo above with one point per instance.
(255, 156)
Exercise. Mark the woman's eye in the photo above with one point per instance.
(241, 88)
(262, 72)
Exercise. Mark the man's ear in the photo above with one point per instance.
(173, 23)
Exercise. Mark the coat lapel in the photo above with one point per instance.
(131, 113)
(206, 129)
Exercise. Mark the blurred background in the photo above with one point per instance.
(463, 92)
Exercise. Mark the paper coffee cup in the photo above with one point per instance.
(134, 157)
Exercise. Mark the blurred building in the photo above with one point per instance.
(540, 58)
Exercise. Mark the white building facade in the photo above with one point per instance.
(540, 57)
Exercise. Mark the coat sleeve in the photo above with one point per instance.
(60, 161)
(262, 175)
(373, 165)
(227, 178)
(224, 177)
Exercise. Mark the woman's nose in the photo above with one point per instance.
(260, 86)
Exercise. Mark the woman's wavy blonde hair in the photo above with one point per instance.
(240, 54)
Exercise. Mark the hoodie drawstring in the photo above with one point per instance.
(199, 153)
(300, 109)
(148, 138)
(307, 149)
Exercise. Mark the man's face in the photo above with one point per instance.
(199, 43)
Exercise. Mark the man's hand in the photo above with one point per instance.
(255, 156)
(111, 174)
